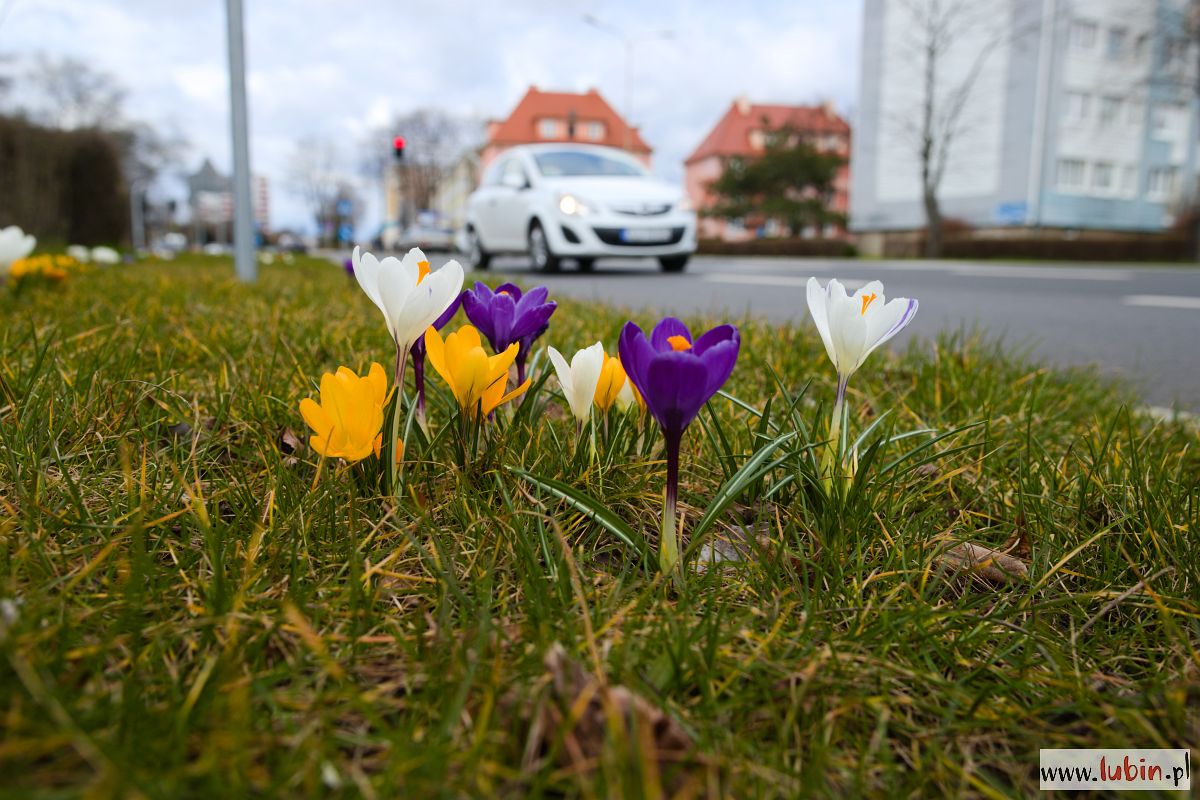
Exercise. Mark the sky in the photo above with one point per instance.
(338, 68)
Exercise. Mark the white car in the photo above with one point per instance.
(583, 202)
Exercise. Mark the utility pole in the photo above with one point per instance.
(627, 41)
(137, 216)
(243, 214)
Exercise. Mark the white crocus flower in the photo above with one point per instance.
(15, 244)
(79, 253)
(409, 295)
(105, 255)
(579, 380)
(852, 326)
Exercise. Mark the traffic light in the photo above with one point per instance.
(398, 147)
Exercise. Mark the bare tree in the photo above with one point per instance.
(943, 30)
(71, 94)
(315, 172)
(434, 140)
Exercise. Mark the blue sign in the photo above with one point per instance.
(344, 207)
(1011, 213)
(345, 233)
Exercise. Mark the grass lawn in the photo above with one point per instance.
(188, 608)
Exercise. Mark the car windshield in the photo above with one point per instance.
(559, 163)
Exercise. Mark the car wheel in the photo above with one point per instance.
(586, 264)
(476, 255)
(539, 250)
(673, 263)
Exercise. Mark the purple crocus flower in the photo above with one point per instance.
(418, 354)
(506, 315)
(348, 265)
(676, 376)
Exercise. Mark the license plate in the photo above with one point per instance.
(645, 235)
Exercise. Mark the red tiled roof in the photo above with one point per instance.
(731, 135)
(521, 125)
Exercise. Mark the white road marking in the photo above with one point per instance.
(774, 280)
(1162, 301)
(1044, 273)
(770, 274)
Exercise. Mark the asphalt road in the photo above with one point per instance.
(1140, 323)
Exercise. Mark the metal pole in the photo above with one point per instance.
(628, 92)
(243, 225)
(137, 220)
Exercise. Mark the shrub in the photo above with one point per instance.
(828, 248)
(62, 186)
(1131, 247)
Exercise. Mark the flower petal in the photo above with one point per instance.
(585, 375)
(676, 389)
(562, 370)
(718, 360)
(886, 322)
(635, 353)
(818, 307)
(664, 330)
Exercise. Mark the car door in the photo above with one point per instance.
(482, 209)
(511, 210)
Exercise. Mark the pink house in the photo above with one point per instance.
(741, 133)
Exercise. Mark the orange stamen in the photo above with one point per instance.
(867, 300)
(678, 342)
(422, 270)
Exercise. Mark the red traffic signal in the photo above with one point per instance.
(398, 146)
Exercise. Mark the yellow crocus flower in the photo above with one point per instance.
(476, 379)
(612, 380)
(349, 419)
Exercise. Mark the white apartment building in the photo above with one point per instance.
(1083, 115)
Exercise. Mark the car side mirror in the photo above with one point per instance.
(514, 181)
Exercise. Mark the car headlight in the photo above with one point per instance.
(684, 204)
(573, 206)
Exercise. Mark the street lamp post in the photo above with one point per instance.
(243, 225)
(627, 41)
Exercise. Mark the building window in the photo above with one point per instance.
(1174, 52)
(1158, 120)
(1160, 183)
(1141, 46)
(1167, 118)
(1118, 38)
(831, 143)
(1070, 174)
(595, 131)
(1083, 34)
(1129, 180)
(548, 128)
(1078, 106)
(1102, 177)
(758, 140)
(1134, 112)
(1110, 109)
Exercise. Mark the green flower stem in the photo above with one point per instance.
(832, 458)
(668, 542)
(397, 407)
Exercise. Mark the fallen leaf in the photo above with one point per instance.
(983, 562)
(180, 430)
(1018, 544)
(583, 712)
(289, 442)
